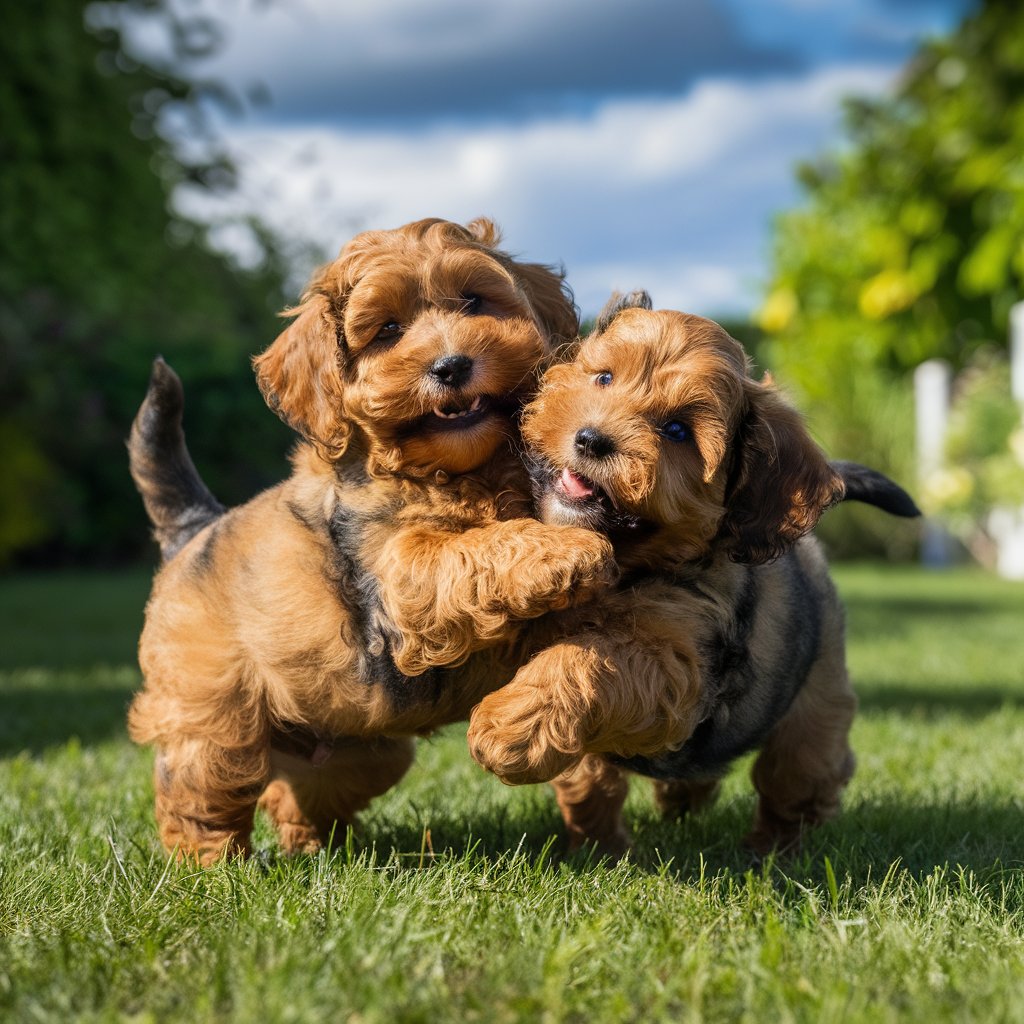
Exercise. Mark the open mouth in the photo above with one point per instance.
(579, 500)
(458, 415)
(456, 412)
(582, 490)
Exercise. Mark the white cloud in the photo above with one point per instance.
(674, 195)
(410, 63)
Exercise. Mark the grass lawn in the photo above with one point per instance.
(452, 902)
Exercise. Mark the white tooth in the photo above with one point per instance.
(437, 411)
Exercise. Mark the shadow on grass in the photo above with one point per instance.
(967, 699)
(878, 618)
(38, 717)
(861, 845)
(494, 832)
(71, 619)
(913, 845)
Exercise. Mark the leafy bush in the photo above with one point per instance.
(910, 246)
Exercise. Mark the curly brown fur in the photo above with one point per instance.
(726, 633)
(289, 646)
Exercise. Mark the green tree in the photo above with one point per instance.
(910, 246)
(98, 275)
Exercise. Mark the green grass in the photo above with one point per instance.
(453, 903)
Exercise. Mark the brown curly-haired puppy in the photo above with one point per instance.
(289, 643)
(725, 634)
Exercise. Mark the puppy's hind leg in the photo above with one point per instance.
(676, 798)
(309, 802)
(590, 796)
(806, 761)
(206, 796)
(295, 832)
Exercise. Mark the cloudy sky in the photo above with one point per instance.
(645, 144)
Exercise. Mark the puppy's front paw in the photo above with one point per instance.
(594, 568)
(562, 566)
(510, 740)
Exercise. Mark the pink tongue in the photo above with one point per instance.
(573, 485)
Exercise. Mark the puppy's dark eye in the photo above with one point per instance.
(675, 430)
(603, 379)
(389, 332)
(471, 304)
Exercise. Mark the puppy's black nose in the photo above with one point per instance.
(590, 441)
(452, 371)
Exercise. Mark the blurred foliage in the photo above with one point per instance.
(99, 275)
(910, 246)
(984, 467)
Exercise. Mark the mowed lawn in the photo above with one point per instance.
(453, 902)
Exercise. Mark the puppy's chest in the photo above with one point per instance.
(359, 531)
(356, 535)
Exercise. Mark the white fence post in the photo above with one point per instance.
(1017, 353)
(1007, 524)
(932, 383)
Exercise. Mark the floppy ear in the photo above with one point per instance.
(300, 377)
(639, 299)
(549, 296)
(551, 300)
(780, 481)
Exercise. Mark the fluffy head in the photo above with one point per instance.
(419, 344)
(657, 430)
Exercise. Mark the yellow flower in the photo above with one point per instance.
(778, 310)
(886, 293)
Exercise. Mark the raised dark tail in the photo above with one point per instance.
(177, 501)
(874, 488)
